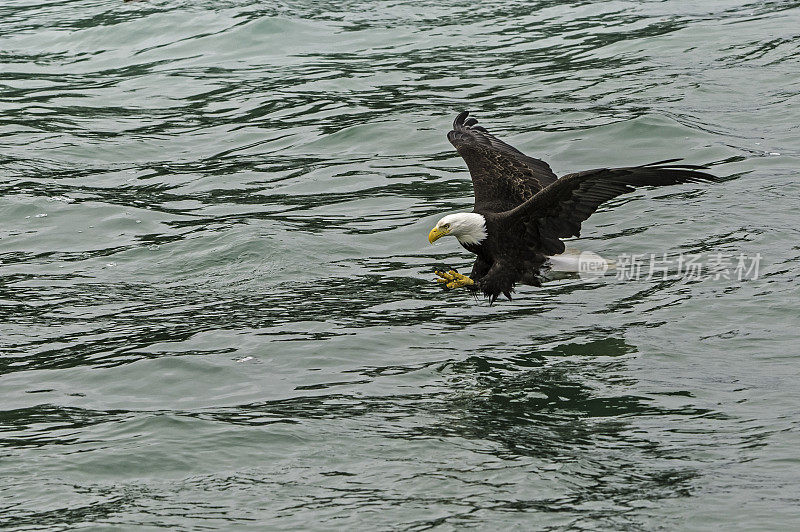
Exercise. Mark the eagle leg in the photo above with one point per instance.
(453, 279)
(499, 280)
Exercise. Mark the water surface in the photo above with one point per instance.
(216, 296)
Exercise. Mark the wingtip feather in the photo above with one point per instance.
(459, 121)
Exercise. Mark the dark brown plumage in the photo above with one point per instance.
(528, 209)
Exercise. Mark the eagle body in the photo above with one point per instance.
(523, 210)
(505, 257)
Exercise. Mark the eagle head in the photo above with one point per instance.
(467, 227)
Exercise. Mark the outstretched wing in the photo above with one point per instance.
(502, 176)
(557, 210)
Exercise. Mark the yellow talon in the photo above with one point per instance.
(453, 279)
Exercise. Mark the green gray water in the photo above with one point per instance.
(216, 296)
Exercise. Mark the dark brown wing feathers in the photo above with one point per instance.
(557, 211)
(502, 176)
(525, 190)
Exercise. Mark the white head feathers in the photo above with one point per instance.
(467, 227)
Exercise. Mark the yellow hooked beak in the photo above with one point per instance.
(437, 233)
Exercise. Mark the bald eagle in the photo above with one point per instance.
(523, 210)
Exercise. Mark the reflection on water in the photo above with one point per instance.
(569, 439)
(216, 296)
